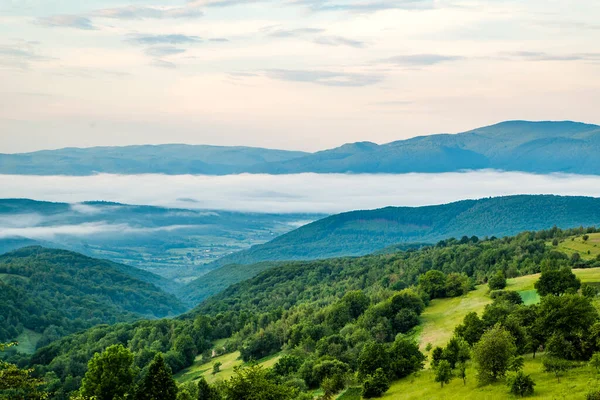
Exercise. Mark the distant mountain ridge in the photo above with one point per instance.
(537, 147)
(358, 233)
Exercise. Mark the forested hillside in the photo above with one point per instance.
(362, 232)
(539, 147)
(332, 318)
(55, 292)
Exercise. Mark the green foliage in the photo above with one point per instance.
(18, 384)
(375, 385)
(593, 395)
(56, 292)
(110, 375)
(216, 368)
(520, 384)
(471, 329)
(493, 353)
(457, 351)
(589, 291)
(556, 366)
(158, 383)
(433, 283)
(497, 281)
(252, 383)
(507, 295)
(557, 282)
(207, 392)
(595, 362)
(443, 373)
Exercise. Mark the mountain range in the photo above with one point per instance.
(358, 233)
(537, 147)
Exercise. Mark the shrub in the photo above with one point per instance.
(376, 385)
(520, 384)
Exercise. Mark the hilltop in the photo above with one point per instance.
(538, 147)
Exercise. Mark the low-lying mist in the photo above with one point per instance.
(320, 193)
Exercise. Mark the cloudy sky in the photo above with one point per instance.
(294, 74)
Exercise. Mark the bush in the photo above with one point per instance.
(593, 395)
(497, 282)
(376, 385)
(520, 384)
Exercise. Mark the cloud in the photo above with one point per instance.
(21, 220)
(420, 60)
(288, 33)
(85, 229)
(163, 64)
(190, 10)
(325, 78)
(365, 7)
(541, 56)
(20, 55)
(339, 41)
(163, 51)
(322, 193)
(86, 209)
(172, 39)
(68, 21)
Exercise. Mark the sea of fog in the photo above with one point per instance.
(326, 193)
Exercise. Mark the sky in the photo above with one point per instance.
(290, 74)
(298, 193)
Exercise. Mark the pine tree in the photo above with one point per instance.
(158, 384)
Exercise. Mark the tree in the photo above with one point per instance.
(462, 372)
(557, 282)
(557, 366)
(457, 351)
(375, 385)
(158, 383)
(585, 238)
(216, 367)
(520, 384)
(16, 383)
(497, 281)
(471, 329)
(374, 355)
(252, 383)
(437, 355)
(433, 283)
(493, 354)
(589, 291)
(207, 392)
(595, 362)
(443, 373)
(110, 374)
(405, 358)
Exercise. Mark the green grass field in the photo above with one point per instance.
(578, 245)
(438, 322)
(228, 361)
(28, 341)
(574, 384)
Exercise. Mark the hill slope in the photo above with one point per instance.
(362, 232)
(539, 147)
(56, 292)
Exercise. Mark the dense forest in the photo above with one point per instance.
(338, 321)
(362, 232)
(57, 292)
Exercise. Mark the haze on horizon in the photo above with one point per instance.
(291, 74)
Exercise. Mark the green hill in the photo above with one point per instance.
(362, 232)
(56, 292)
(538, 147)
